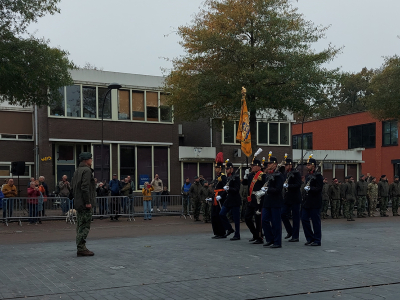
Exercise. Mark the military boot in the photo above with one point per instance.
(84, 253)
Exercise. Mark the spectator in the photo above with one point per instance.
(157, 185)
(146, 191)
(102, 193)
(132, 185)
(65, 190)
(185, 196)
(44, 191)
(33, 196)
(41, 200)
(114, 187)
(31, 180)
(125, 191)
(165, 198)
(10, 191)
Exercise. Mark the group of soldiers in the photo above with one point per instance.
(366, 193)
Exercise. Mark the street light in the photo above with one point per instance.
(112, 86)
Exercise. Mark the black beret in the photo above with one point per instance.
(85, 155)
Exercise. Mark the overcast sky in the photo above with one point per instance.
(133, 36)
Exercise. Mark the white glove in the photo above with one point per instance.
(218, 198)
(246, 174)
(264, 189)
(285, 185)
(307, 188)
(208, 199)
(226, 188)
(258, 212)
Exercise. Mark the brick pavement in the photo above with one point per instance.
(357, 260)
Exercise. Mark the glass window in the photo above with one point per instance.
(66, 153)
(262, 133)
(328, 171)
(27, 171)
(284, 133)
(127, 162)
(161, 164)
(273, 133)
(123, 105)
(137, 105)
(390, 133)
(165, 109)
(74, 101)
(57, 107)
(362, 136)
(99, 160)
(9, 136)
(89, 101)
(229, 132)
(339, 172)
(144, 168)
(102, 92)
(152, 106)
(307, 141)
(5, 171)
(24, 137)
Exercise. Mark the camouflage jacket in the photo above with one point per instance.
(83, 187)
(325, 189)
(394, 189)
(372, 190)
(334, 192)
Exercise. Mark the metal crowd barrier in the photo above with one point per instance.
(34, 210)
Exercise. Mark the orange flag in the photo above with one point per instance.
(243, 133)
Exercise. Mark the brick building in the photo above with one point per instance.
(354, 134)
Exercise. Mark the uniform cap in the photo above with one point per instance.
(256, 162)
(85, 156)
(288, 161)
(271, 160)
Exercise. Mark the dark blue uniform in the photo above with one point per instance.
(311, 209)
(272, 206)
(232, 201)
(291, 204)
(216, 222)
(253, 207)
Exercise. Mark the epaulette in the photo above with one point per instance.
(222, 174)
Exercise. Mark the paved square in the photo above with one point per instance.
(357, 260)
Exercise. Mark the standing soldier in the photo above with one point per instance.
(84, 190)
(350, 195)
(195, 196)
(325, 199)
(343, 197)
(206, 197)
(311, 208)
(219, 183)
(394, 192)
(372, 197)
(231, 202)
(291, 201)
(255, 180)
(383, 195)
(361, 188)
(334, 196)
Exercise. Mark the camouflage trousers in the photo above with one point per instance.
(372, 202)
(395, 205)
(348, 208)
(83, 220)
(206, 210)
(383, 202)
(335, 208)
(361, 201)
(324, 209)
(196, 202)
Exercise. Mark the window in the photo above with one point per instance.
(5, 171)
(65, 154)
(99, 159)
(165, 110)
(74, 101)
(57, 107)
(152, 106)
(127, 162)
(89, 101)
(362, 136)
(273, 133)
(390, 133)
(137, 105)
(161, 163)
(352, 170)
(107, 102)
(123, 105)
(25, 137)
(307, 140)
(144, 167)
(229, 134)
(9, 136)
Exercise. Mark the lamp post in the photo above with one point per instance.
(112, 86)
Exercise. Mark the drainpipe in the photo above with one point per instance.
(211, 135)
(36, 143)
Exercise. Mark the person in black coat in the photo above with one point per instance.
(232, 203)
(217, 201)
(311, 208)
(255, 181)
(273, 201)
(291, 201)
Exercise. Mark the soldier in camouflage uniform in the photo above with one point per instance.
(334, 196)
(342, 198)
(361, 188)
(350, 198)
(325, 199)
(84, 190)
(383, 195)
(394, 192)
(206, 200)
(195, 197)
(372, 192)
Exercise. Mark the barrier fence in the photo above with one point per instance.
(34, 210)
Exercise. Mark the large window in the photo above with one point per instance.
(229, 132)
(273, 133)
(152, 106)
(137, 105)
(161, 164)
(362, 136)
(101, 158)
(102, 92)
(123, 105)
(5, 171)
(307, 141)
(89, 101)
(165, 110)
(144, 166)
(390, 133)
(127, 162)
(74, 101)
(57, 107)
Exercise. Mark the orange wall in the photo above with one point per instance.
(332, 134)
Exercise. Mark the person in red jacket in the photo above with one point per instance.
(33, 194)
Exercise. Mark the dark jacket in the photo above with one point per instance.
(293, 193)
(350, 191)
(334, 192)
(394, 189)
(383, 188)
(114, 187)
(219, 183)
(84, 187)
(232, 196)
(259, 183)
(361, 187)
(325, 188)
(101, 192)
(313, 198)
(194, 191)
(273, 197)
